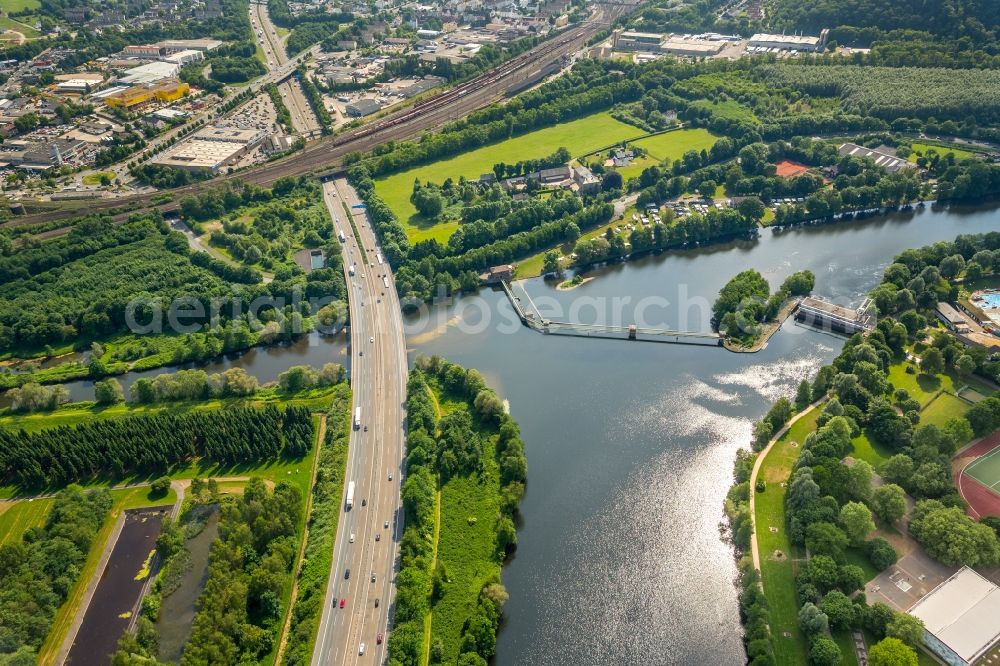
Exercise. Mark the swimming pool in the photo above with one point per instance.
(991, 299)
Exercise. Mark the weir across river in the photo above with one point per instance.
(530, 316)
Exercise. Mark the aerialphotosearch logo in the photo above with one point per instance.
(279, 317)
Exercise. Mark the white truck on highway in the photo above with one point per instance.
(350, 495)
(350, 270)
(357, 418)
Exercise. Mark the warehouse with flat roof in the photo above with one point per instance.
(211, 148)
(960, 618)
(789, 42)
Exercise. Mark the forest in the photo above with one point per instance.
(746, 301)
(893, 93)
(476, 441)
(87, 285)
(38, 572)
(954, 18)
(152, 444)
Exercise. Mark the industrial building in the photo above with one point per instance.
(881, 157)
(790, 42)
(77, 86)
(146, 51)
(211, 148)
(39, 156)
(960, 618)
(691, 48)
(136, 96)
(362, 107)
(952, 318)
(825, 315)
(151, 73)
(172, 46)
(629, 40)
(185, 57)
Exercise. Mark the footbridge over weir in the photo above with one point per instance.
(530, 316)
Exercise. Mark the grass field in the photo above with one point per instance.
(923, 388)
(848, 657)
(728, 110)
(778, 576)
(95, 178)
(466, 542)
(7, 23)
(985, 469)
(945, 406)
(872, 453)
(578, 136)
(466, 550)
(922, 149)
(18, 517)
(672, 145)
(19, 5)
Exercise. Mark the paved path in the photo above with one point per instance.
(756, 468)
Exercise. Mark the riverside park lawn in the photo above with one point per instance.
(579, 137)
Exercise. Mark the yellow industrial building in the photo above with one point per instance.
(165, 91)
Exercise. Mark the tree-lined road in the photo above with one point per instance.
(378, 381)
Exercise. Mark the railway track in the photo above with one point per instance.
(324, 157)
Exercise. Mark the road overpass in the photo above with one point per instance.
(367, 541)
(303, 119)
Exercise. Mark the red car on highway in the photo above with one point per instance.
(378, 639)
(343, 602)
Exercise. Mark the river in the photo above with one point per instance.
(630, 445)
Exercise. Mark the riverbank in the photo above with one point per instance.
(460, 510)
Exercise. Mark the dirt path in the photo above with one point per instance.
(286, 626)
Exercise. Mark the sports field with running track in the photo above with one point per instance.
(978, 481)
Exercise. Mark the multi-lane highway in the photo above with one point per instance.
(303, 119)
(368, 534)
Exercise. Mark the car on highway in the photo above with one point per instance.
(380, 637)
(361, 649)
(352, 538)
(376, 603)
(366, 428)
(347, 574)
(386, 525)
(343, 602)
(390, 476)
(371, 339)
(364, 502)
(378, 537)
(373, 576)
